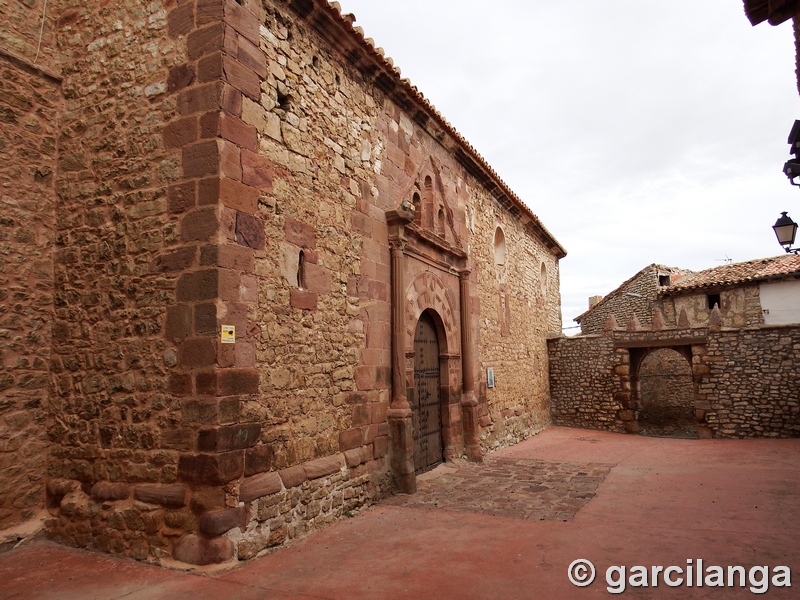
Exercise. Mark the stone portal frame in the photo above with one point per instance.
(629, 394)
(427, 293)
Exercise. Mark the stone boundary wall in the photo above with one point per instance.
(752, 386)
(583, 386)
(745, 379)
(28, 141)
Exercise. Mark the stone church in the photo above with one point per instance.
(251, 280)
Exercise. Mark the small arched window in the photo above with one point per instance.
(440, 221)
(416, 200)
(499, 247)
(543, 280)
(301, 270)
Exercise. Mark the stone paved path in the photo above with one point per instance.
(542, 490)
(504, 530)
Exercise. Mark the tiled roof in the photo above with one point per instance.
(774, 11)
(407, 95)
(777, 267)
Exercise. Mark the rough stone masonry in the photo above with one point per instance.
(173, 167)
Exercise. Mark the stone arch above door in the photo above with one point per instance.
(427, 291)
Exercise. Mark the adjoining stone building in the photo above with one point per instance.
(636, 296)
(251, 279)
(726, 342)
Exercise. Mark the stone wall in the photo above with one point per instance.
(115, 423)
(585, 385)
(744, 379)
(29, 101)
(752, 384)
(231, 165)
(519, 307)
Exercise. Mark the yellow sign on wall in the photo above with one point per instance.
(228, 335)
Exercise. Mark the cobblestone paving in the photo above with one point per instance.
(515, 488)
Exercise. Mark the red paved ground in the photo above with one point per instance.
(728, 502)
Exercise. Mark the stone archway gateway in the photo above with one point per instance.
(637, 408)
(666, 393)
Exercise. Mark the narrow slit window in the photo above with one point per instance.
(301, 270)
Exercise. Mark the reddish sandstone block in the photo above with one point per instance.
(380, 446)
(361, 415)
(229, 437)
(207, 40)
(320, 467)
(209, 11)
(258, 459)
(293, 476)
(195, 550)
(218, 522)
(230, 160)
(199, 225)
(259, 486)
(378, 412)
(209, 68)
(177, 439)
(365, 377)
(208, 191)
(205, 384)
(180, 20)
(241, 77)
(351, 438)
(181, 197)
(106, 490)
(197, 352)
(180, 77)
(205, 319)
(251, 56)
(229, 281)
(197, 286)
(235, 130)
(303, 299)
(171, 496)
(180, 384)
(231, 100)
(178, 322)
(211, 469)
(239, 196)
(238, 381)
(209, 125)
(318, 279)
(180, 133)
(257, 171)
(200, 159)
(200, 98)
(242, 19)
(236, 258)
(177, 260)
(299, 233)
(250, 231)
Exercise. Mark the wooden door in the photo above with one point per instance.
(426, 405)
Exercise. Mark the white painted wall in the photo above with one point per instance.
(780, 302)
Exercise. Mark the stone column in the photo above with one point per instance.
(469, 402)
(399, 413)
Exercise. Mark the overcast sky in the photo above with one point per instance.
(639, 132)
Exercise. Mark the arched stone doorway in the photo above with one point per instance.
(426, 398)
(666, 394)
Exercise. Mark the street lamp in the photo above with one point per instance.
(785, 230)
